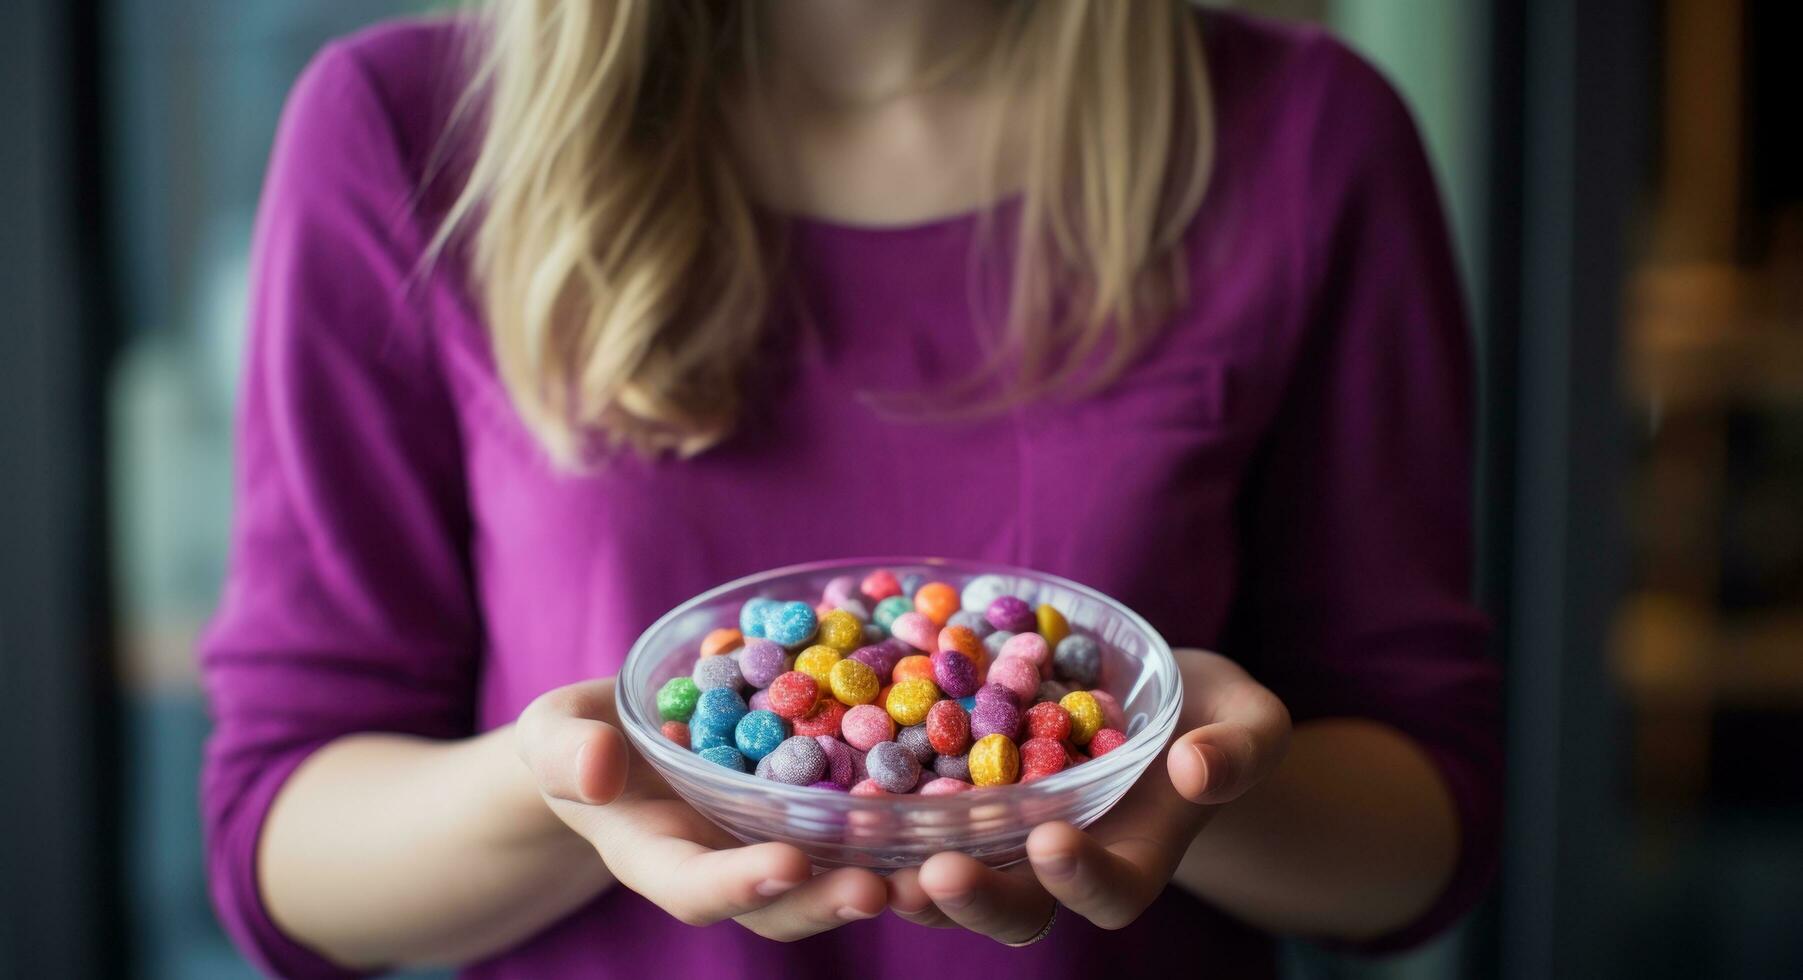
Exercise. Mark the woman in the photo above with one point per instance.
(563, 315)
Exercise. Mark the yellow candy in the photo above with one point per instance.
(910, 699)
(817, 662)
(841, 630)
(994, 761)
(1086, 715)
(854, 682)
(1052, 625)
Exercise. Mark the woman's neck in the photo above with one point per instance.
(850, 53)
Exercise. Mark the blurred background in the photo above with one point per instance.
(1625, 181)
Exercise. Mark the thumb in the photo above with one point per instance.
(1218, 763)
(574, 755)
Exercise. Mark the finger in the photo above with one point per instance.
(826, 902)
(699, 885)
(1109, 886)
(565, 739)
(911, 902)
(1009, 908)
(1219, 762)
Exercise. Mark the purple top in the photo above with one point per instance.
(1284, 479)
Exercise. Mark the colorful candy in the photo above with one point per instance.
(893, 767)
(1048, 720)
(880, 585)
(866, 725)
(914, 738)
(1086, 715)
(1018, 675)
(758, 734)
(817, 662)
(890, 609)
(722, 640)
(798, 761)
(914, 665)
(916, 630)
(792, 624)
(994, 761)
(841, 630)
(725, 755)
(826, 718)
(712, 672)
(994, 717)
(979, 592)
(1041, 757)
(761, 661)
(936, 601)
(793, 694)
(853, 682)
(909, 700)
(943, 786)
(676, 699)
(948, 728)
(1078, 659)
(752, 614)
(676, 732)
(1010, 613)
(953, 767)
(955, 673)
(1106, 740)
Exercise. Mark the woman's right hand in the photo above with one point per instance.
(660, 847)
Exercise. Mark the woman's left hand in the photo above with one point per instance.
(1234, 734)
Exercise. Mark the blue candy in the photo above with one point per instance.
(751, 616)
(704, 736)
(719, 707)
(968, 704)
(759, 733)
(791, 624)
(725, 755)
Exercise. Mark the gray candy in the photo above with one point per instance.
(712, 672)
(893, 767)
(798, 761)
(972, 620)
(914, 739)
(953, 766)
(1078, 660)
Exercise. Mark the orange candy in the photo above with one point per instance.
(721, 641)
(936, 601)
(964, 640)
(911, 667)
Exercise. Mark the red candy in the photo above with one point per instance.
(1049, 720)
(1041, 757)
(794, 694)
(1106, 740)
(676, 732)
(868, 787)
(948, 728)
(880, 585)
(823, 720)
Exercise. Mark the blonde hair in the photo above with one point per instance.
(625, 271)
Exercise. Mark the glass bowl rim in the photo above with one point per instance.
(663, 754)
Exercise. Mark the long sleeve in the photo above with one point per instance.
(347, 605)
(1358, 517)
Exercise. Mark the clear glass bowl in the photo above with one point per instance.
(838, 829)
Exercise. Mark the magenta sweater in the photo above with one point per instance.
(1284, 478)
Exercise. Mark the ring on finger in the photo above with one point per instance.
(1043, 932)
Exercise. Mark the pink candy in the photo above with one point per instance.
(1030, 647)
(1019, 675)
(944, 786)
(1112, 715)
(916, 630)
(866, 725)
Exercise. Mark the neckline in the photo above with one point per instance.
(923, 227)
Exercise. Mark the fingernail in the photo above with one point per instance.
(1057, 867)
(850, 914)
(770, 887)
(954, 901)
(1214, 761)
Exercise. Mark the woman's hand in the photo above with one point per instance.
(1234, 734)
(658, 846)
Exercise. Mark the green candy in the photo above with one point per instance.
(889, 608)
(676, 699)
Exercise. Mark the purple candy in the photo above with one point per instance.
(914, 739)
(763, 768)
(840, 589)
(859, 771)
(893, 767)
(953, 766)
(840, 767)
(994, 718)
(879, 658)
(762, 661)
(955, 673)
(996, 692)
(827, 784)
(759, 701)
(1011, 615)
(798, 761)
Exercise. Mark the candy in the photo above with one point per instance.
(676, 732)
(1041, 757)
(1019, 675)
(721, 641)
(1086, 715)
(798, 761)
(718, 707)
(893, 767)
(725, 755)
(826, 718)
(995, 717)
(994, 761)
(1078, 659)
(963, 640)
(914, 739)
(953, 767)
(859, 611)
(910, 699)
(1011, 614)
(868, 787)
(1048, 720)
(1053, 690)
(840, 630)
(1106, 740)
(712, 672)
(972, 620)
(992, 692)
(1030, 647)
(880, 658)
(793, 694)
(1112, 715)
(912, 666)
(936, 601)
(840, 769)
(759, 733)
(762, 661)
(676, 699)
(945, 787)
(889, 609)
(762, 771)
(954, 673)
(880, 585)
(969, 704)
(948, 728)
(839, 589)
(817, 662)
(916, 630)
(853, 682)
(994, 642)
(866, 725)
(1052, 625)
(911, 583)
(792, 624)
(979, 592)
(705, 735)
(752, 614)
(759, 700)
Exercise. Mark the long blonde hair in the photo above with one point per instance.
(625, 271)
